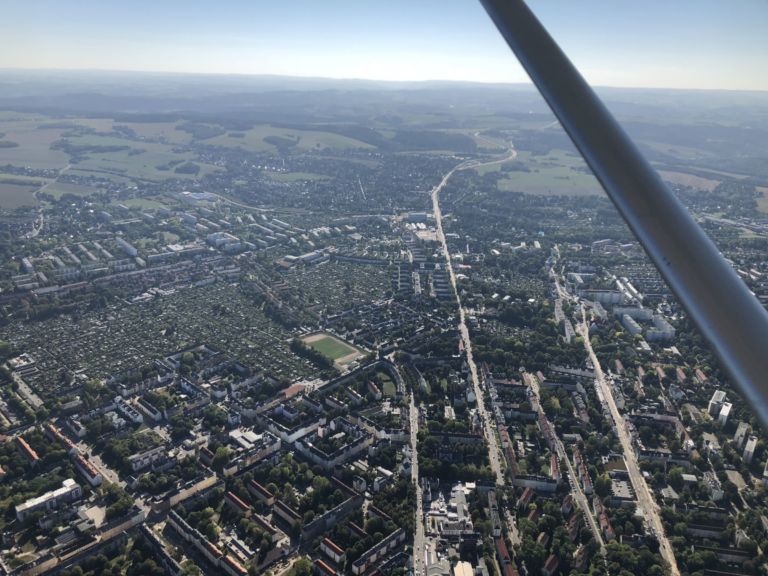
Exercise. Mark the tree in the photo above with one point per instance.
(603, 485)
(5, 351)
(675, 478)
(220, 458)
(189, 568)
(302, 567)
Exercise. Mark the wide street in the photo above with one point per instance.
(486, 419)
(418, 538)
(581, 499)
(420, 543)
(645, 500)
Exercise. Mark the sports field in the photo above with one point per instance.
(331, 347)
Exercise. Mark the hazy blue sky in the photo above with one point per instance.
(669, 43)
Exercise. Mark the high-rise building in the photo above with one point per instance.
(716, 403)
(749, 449)
(741, 434)
(725, 411)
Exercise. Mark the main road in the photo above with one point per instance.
(645, 500)
(581, 499)
(37, 227)
(419, 541)
(487, 419)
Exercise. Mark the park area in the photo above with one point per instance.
(333, 348)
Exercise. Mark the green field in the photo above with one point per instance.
(557, 173)
(762, 200)
(141, 203)
(58, 189)
(159, 130)
(14, 196)
(330, 347)
(139, 159)
(22, 180)
(295, 176)
(145, 160)
(34, 145)
(253, 139)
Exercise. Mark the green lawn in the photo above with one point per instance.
(389, 390)
(331, 347)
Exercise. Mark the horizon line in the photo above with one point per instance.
(245, 75)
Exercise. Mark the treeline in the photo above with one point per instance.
(82, 149)
(187, 168)
(300, 349)
(201, 131)
(435, 140)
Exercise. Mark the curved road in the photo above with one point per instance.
(38, 225)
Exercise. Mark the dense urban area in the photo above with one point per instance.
(344, 329)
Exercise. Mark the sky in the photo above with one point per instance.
(651, 43)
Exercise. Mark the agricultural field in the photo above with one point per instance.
(556, 173)
(160, 131)
(141, 203)
(691, 180)
(15, 196)
(58, 189)
(92, 147)
(34, 139)
(295, 176)
(762, 200)
(265, 138)
(106, 155)
(331, 347)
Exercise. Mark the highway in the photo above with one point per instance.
(645, 500)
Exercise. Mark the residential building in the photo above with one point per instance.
(27, 451)
(88, 470)
(725, 411)
(143, 459)
(328, 547)
(749, 449)
(716, 403)
(69, 492)
(741, 434)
